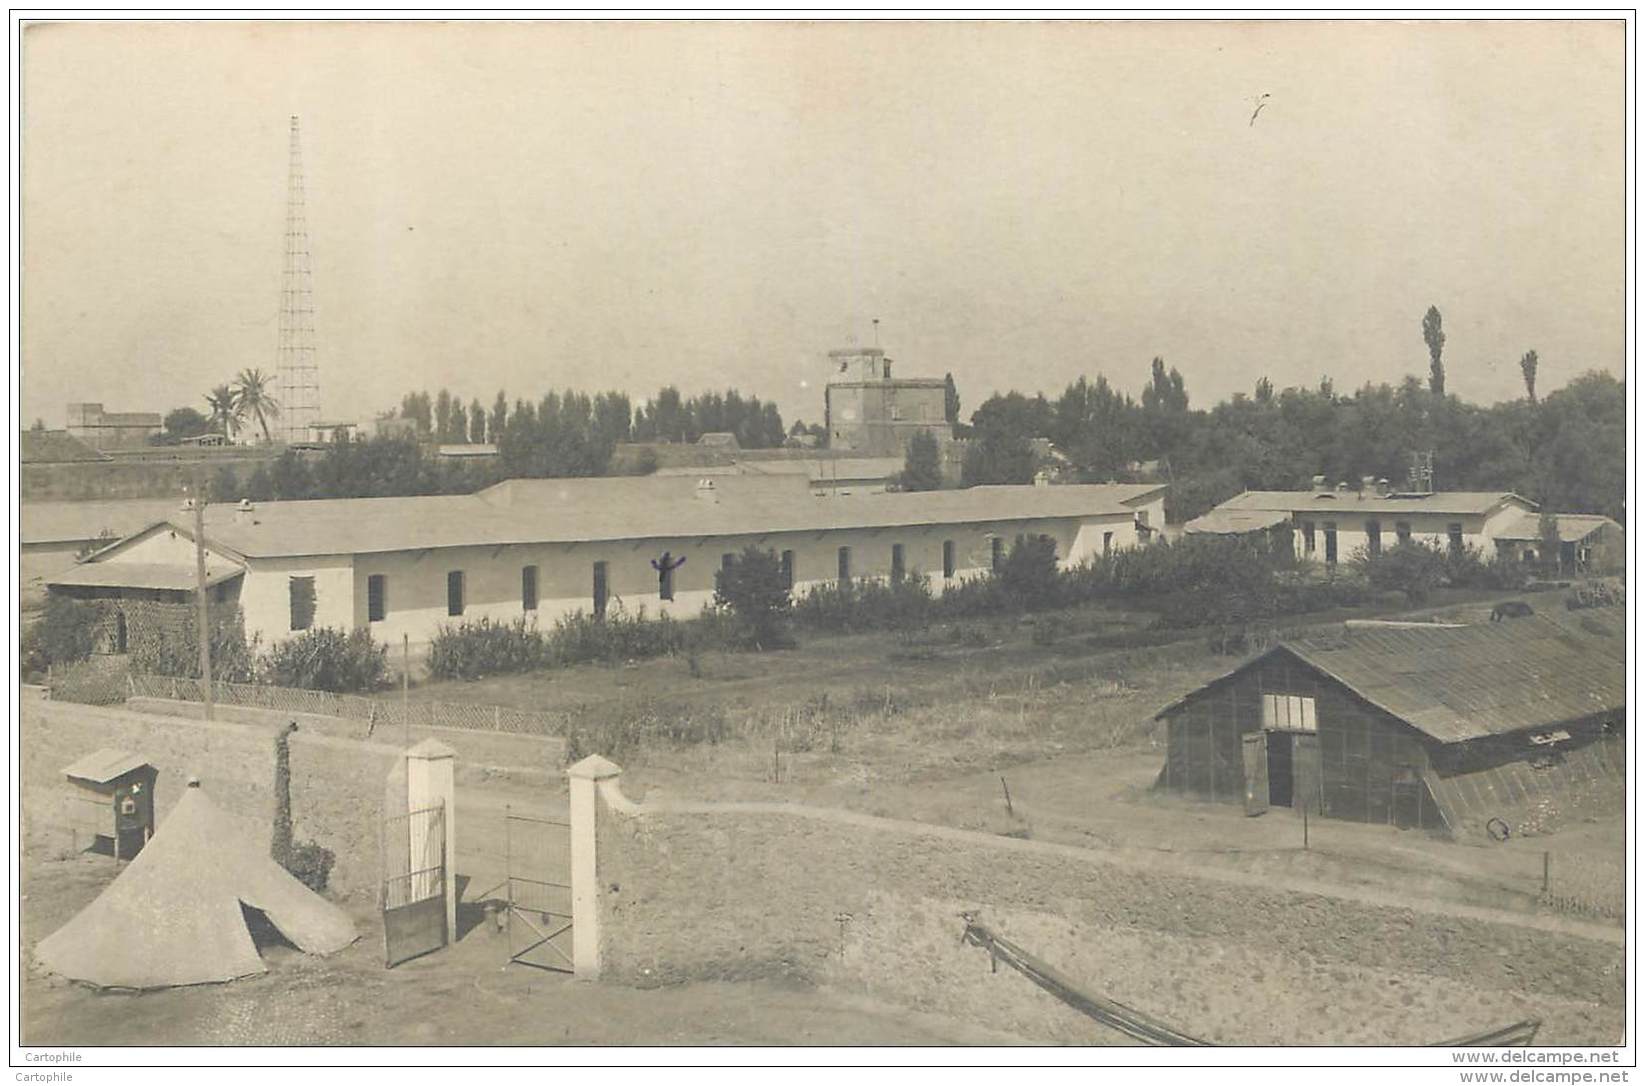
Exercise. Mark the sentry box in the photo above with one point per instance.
(111, 803)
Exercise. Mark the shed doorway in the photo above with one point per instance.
(1280, 768)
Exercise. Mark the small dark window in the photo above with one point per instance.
(1402, 530)
(601, 591)
(528, 588)
(1107, 543)
(897, 568)
(947, 559)
(454, 592)
(845, 565)
(1454, 531)
(727, 560)
(788, 570)
(302, 602)
(1373, 537)
(996, 553)
(376, 597)
(1330, 543)
(1307, 537)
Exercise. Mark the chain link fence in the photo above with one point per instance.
(381, 712)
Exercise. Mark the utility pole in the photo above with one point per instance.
(204, 618)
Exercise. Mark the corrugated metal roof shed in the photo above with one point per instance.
(590, 510)
(1456, 684)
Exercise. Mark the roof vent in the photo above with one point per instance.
(243, 512)
(1319, 484)
(706, 491)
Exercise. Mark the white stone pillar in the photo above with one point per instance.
(431, 781)
(585, 778)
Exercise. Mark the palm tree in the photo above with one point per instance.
(251, 392)
(226, 414)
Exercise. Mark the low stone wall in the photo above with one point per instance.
(836, 897)
(337, 784)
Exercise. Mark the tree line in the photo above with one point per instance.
(605, 418)
(1566, 450)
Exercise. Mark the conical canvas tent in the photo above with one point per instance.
(174, 915)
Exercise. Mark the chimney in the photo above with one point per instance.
(1384, 487)
(1342, 487)
(243, 511)
(706, 491)
(188, 505)
(1368, 485)
(1042, 478)
(1319, 485)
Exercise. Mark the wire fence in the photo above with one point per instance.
(375, 711)
(1584, 886)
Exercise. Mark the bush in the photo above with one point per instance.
(1029, 577)
(471, 650)
(1596, 594)
(858, 606)
(1466, 567)
(614, 639)
(752, 588)
(1415, 567)
(65, 633)
(310, 864)
(328, 659)
(161, 640)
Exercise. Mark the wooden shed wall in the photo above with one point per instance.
(1362, 749)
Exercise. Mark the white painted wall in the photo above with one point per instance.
(167, 546)
(265, 595)
(416, 581)
(1478, 531)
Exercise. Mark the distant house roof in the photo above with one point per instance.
(55, 447)
(146, 575)
(1236, 521)
(620, 508)
(1452, 502)
(102, 766)
(815, 469)
(462, 452)
(1573, 527)
(77, 522)
(1459, 683)
(720, 440)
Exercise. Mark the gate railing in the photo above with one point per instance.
(537, 852)
(414, 859)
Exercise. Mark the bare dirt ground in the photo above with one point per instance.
(464, 995)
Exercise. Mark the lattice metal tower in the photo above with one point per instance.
(297, 365)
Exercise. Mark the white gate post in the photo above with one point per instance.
(585, 778)
(430, 780)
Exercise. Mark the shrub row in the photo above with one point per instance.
(471, 650)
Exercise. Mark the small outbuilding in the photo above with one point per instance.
(1442, 728)
(111, 799)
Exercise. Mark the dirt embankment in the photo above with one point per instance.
(736, 895)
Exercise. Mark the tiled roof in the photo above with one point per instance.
(1235, 521)
(644, 507)
(155, 575)
(1454, 502)
(1460, 683)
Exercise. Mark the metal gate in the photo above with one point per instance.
(538, 851)
(414, 884)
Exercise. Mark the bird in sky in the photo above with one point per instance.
(1261, 100)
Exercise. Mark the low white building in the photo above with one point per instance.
(1329, 525)
(403, 567)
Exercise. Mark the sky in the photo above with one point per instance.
(527, 206)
